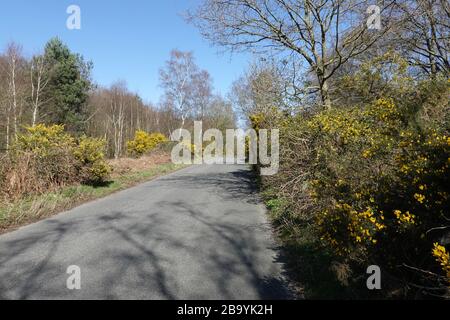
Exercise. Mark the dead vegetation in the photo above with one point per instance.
(131, 165)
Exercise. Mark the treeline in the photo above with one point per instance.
(363, 113)
(56, 88)
(51, 88)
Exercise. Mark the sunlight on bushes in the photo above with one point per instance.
(90, 152)
(45, 158)
(144, 142)
(372, 179)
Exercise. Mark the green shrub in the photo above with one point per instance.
(381, 185)
(373, 181)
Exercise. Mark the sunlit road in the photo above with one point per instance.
(199, 233)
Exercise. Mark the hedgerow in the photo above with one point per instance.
(372, 181)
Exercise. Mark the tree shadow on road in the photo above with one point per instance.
(230, 256)
(236, 184)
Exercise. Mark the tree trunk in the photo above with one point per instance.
(14, 95)
(8, 123)
(325, 95)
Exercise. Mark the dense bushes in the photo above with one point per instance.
(90, 154)
(144, 142)
(372, 182)
(45, 158)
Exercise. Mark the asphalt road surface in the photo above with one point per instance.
(199, 233)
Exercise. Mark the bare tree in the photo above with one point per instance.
(39, 80)
(117, 116)
(13, 55)
(202, 92)
(325, 34)
(423, 36)
(177, 80)
(220, 114)
(5, 102)
(258, 90)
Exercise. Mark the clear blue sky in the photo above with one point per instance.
(127, 40)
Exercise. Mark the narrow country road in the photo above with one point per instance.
(199, 233)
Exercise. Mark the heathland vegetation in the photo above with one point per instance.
(60, 130)
(363, 113)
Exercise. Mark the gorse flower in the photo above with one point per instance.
(419, 197)
(144, 142)
(404, 218)
(443, 258)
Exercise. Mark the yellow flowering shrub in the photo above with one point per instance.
(443, 258)
(90, 152)
(345, 228)
(257, 120)
(45, 158)
(40, 159)
(144, 142)
(371, 178)
(404, 217)
(378, 184)
(42, 139)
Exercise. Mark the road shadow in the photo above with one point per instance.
(149, 244)
(235, 183)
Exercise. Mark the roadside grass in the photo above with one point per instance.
(310, 267)
(307, 263)
(38, 207)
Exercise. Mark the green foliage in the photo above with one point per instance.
(385, 76)
(373, 181)
(144, 142)
(68, 86)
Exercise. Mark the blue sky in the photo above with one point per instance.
(126, 40)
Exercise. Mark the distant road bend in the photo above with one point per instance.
(199, 233)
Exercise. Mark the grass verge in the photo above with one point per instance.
(38, 207)
(308, 265)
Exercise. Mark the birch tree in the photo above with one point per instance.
(15, 70)
(117, 116)
(177, 81)
(39, 80)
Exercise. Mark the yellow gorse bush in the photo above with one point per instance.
(90, 152)
(46, 157)
(369, 180)
(404, 217)
(375, 178)
(443, 258)
(43, 139)
(362, 227)
(144, 142)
